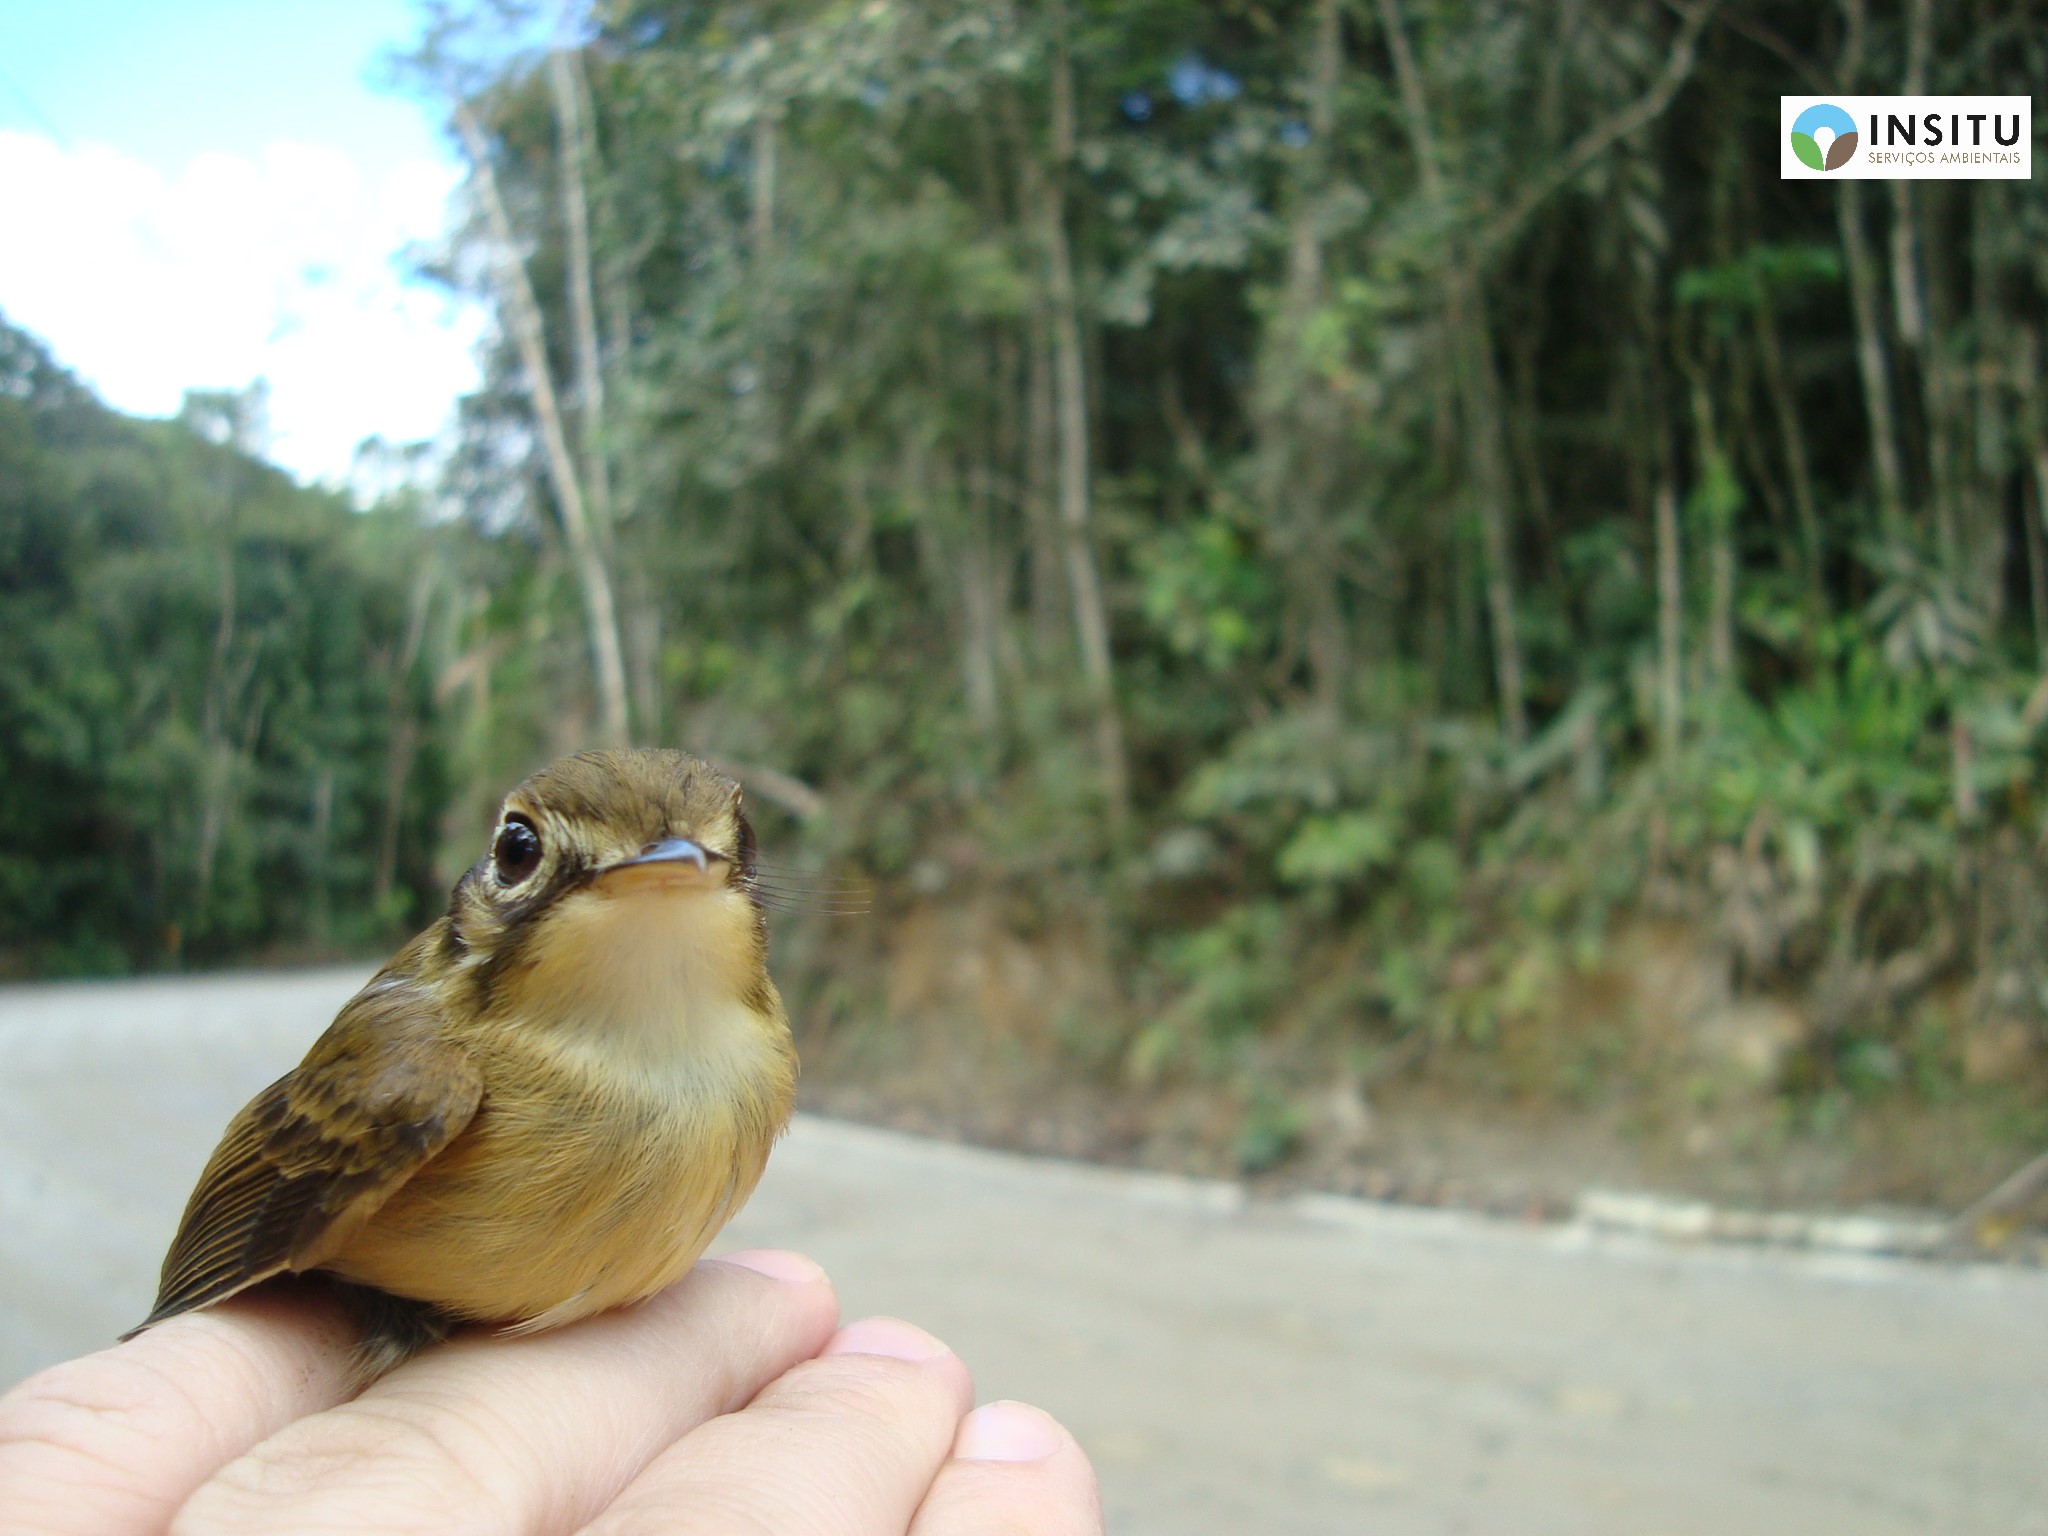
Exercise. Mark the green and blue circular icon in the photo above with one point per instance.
(1824, 137)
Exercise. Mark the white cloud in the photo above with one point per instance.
(281, 267)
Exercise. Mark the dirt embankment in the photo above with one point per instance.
(1652, 1069)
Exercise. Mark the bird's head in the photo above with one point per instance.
(610, 872)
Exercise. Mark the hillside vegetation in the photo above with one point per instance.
(214, 731)
(1319, 555)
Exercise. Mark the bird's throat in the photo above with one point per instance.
(642, 972)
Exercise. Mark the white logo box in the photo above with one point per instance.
(1914, 138)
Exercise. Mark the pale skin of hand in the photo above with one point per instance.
(732, 1402)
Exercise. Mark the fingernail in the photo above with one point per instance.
(776, 1264)
(1007, 1432)
(885, 1336)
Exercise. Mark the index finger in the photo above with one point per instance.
(113, 1443)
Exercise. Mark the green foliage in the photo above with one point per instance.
(1763, 274)
(1230, 975)
(1269, 1133)
(1335, 849)
(197, 693)
(1206, 592)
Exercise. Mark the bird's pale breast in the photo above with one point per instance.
(577, 1186)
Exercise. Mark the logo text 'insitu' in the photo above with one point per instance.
(1946, 138)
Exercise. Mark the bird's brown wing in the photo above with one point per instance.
(318, 1151)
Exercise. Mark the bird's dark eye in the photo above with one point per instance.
(516, 851)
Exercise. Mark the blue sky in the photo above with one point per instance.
(165, 81)
(195, 193)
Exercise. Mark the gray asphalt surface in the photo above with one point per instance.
(1317, 1366)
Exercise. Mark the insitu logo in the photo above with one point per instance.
(1824, 137)
(1906, 138)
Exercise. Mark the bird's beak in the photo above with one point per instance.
(673, 860)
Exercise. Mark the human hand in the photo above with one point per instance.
(731, 1402)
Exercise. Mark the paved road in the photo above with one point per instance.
(1315, 1367)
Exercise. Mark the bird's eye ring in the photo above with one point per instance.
(515, 852)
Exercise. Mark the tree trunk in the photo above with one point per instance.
(2037, 555)
(1300, 442)
(1713, 468)
(1329, 642)
(1091, 619)
(522, 317)
(217, 762)
(953, 540)
(571, 152)
(1982, 396)
(761, 209)
(576, 149)
(1041, 473)
(1670, 622)
(1477, 387)
(1870, 359)
(1792, 435)
(1908, 307)
(1490, 462)
(614, 299)
(1038, 451)
(1911, 320)
(979, 615)
(1909, 313)
(322, 816)
(404, 742)
(641, 634)
(1886, 466)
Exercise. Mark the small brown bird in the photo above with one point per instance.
(548, 1103)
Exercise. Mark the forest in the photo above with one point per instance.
(215, 730)
(1301, 553)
